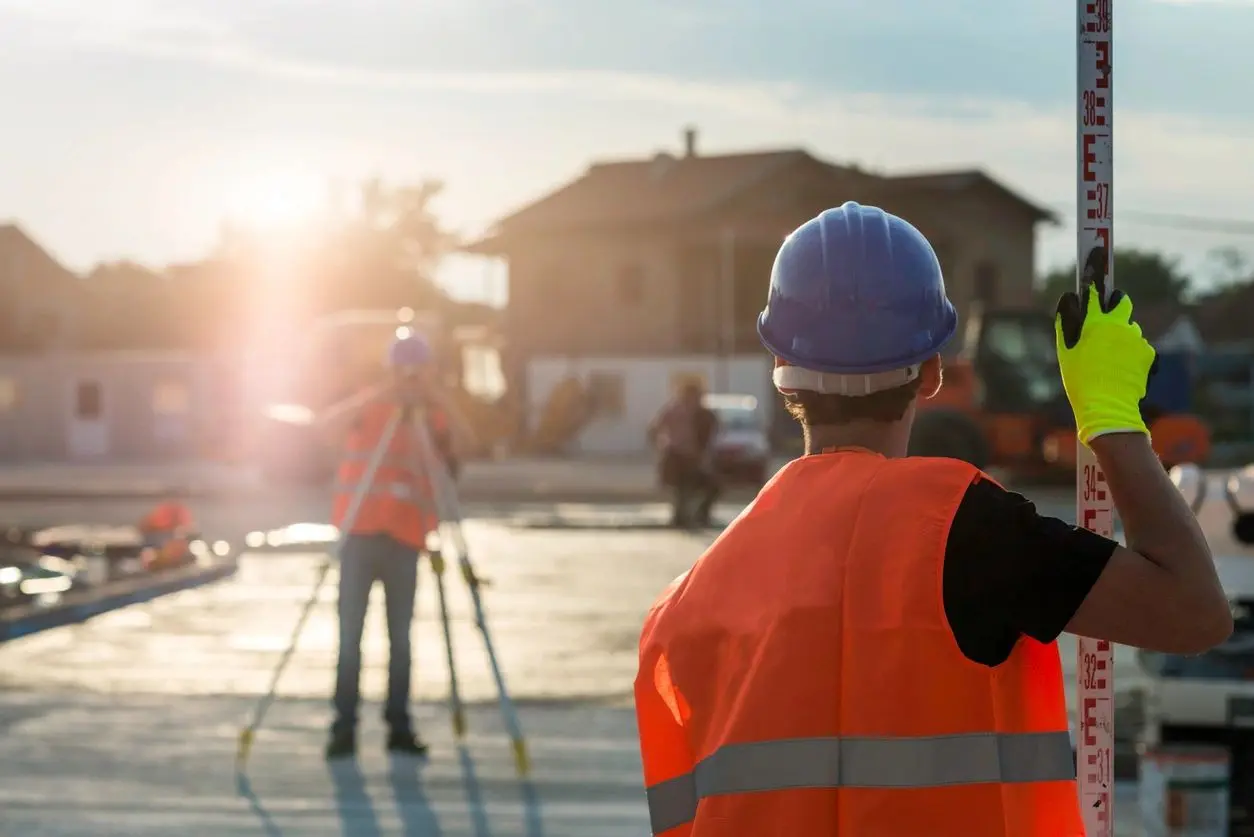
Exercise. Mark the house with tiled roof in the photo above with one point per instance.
(643, 272)
(61, 400)
(38, 295)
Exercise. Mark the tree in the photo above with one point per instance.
(1229, 267)
(383, 255)
(386, 255)
(1148, 277)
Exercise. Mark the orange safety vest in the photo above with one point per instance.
(168, 516)
(401, 501)
(802, 677)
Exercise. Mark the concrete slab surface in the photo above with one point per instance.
(127, 725)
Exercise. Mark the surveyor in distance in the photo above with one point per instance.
(869, 649)
(166, 530)
(683, 434)
(390, 529)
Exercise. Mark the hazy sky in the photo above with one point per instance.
(129, 128)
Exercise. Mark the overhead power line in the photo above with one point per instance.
(1183, 223)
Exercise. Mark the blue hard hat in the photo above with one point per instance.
(856, 291)
(409, 349)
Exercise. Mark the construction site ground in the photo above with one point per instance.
(127, 725)
(603, 479)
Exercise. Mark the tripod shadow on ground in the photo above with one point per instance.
(418, 818)
(474, 799)
(245, 788)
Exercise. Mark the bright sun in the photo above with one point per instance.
(276, 201)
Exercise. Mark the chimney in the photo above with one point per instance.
(690, 142)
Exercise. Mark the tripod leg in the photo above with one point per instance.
(350, 517)
(454, 694)
(436, 555)
(450, 514)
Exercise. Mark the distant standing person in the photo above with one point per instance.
(683, 433)
(166, 530)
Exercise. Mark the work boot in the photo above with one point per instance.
(406, 743)
(341, 745)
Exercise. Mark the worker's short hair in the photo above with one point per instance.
(813, 409)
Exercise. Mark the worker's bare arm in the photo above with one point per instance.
(463, 434)
(335, 421)
(1161, 592)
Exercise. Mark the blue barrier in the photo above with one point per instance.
(73, 613)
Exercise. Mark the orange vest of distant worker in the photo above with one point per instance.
(169, 516)
(400, 503)
(802, 679)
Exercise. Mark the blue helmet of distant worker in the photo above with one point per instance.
(407, 350)
(857, 303)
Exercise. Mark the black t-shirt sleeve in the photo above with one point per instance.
(1011, 572)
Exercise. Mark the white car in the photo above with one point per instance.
(742, 448)
(1208, 699)
(1205, 693)
(1203, 697)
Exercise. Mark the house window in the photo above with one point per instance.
(607, 394)
(631, 285)
(171, 398)
(8, 395)
(88, 401)
(986, 283)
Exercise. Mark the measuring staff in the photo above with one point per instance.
(1095, 511)
(892, 669)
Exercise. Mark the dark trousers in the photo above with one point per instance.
(696, 490)
(366, 559)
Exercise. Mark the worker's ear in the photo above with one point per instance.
(931, 376)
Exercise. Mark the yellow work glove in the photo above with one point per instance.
(1105, 362)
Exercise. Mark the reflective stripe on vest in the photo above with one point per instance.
(399, 490)
(859, 762)
(390, 459)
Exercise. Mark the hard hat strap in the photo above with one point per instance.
(794, 378)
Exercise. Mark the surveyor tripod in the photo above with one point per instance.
(423, 460)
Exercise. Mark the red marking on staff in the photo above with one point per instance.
(1090, 707)
(1100, 682)
(1101, 665)
(1102, 48)
(1090, 158)
(1103, 644)
(1103, 233)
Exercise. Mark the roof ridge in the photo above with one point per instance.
(679, 158)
